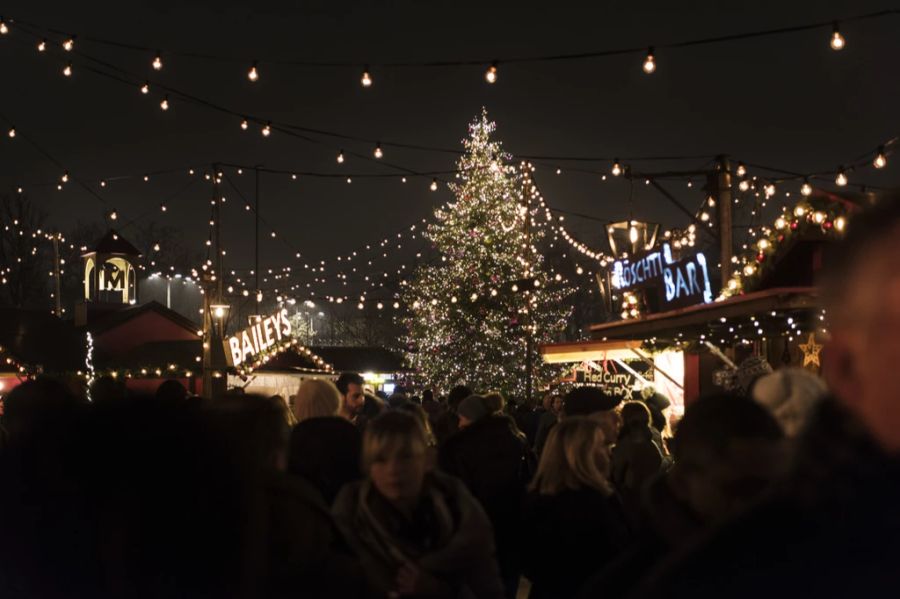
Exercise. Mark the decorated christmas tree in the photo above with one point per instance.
(481, 310)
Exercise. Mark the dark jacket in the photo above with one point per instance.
(571, 535)
(545, 424)
(325, 452)
(458, 550)
(829, 531)
(636, 459)
(496, 466)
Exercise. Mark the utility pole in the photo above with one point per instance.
(256, 253)
(56, 277)
(722, 186)
(215, 377)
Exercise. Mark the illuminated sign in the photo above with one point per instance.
(258, 337)
(670, 283)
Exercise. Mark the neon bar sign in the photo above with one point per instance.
(259, 337)
(676, 282)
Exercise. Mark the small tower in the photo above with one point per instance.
(110, 276)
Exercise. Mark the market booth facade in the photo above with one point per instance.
(681, 337)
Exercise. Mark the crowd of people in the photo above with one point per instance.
(784, 486)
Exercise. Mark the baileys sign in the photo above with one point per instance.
(257, 338)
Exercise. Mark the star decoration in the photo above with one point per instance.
(811, 351)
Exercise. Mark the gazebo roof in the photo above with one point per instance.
(113, 243)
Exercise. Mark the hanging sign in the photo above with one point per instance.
(257, 338)
(615, 380)
(667, 283)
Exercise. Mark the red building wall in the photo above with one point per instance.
(145, 328)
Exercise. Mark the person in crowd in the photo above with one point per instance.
(574, 522)
(791, 395)
(496, 402)
(552, 408)
(447, 422)
(107, 388)
(657, 403)
(431, 453)
(171, 390)
(728, 453)
(430, 404)
(748, 372)
(350, 385)
(594, 402)
(834, 515)
(416, 532)
(397, 400)
(494, 461)
(636, 458)
(324, 448)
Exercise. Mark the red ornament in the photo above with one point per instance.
(827, 224)
(780, 238)
(794, 226)
(760, 257)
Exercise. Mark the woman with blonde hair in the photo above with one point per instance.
(324, 447)
(416, 531)
(574, 521)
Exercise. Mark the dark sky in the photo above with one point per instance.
(785, 101)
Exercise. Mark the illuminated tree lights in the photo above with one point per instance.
(477, 313)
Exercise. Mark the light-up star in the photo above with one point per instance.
(811, 351)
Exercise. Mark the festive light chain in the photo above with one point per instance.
(255, 69)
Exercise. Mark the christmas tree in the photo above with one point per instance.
(479, 313)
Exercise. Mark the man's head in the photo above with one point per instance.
(727, 449)
(350, 385)
(860, 292)
(472, 409)
(456, 395)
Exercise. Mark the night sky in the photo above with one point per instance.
(787, 101)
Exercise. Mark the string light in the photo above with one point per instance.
(741, 170)
(162, 208)
(42, 46)
(880, 158)
(649, 62)
(3, 28)
(366, 79)
(633, 233)
(837, 40)
(434, 185)
(340, 157)
(157, 62)
(65, 177)
(616, 168)
(145, 89)
(244, 124)
(267, 130)
(841, 178)
(491, 74)
(113, 215)
(253, 74)
(12, 132)
(67, 70)
(378, 152)
(744, 185)
(165, 103)
(806, 188)
(69, 44)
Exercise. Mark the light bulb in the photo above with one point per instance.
(157, 62)
(267, 130)
(841, 178)
(741, 169)
(806, 188)
(491, 74)
(68, 44)
(840, 223)
(165, 103)
(113, 215)
(744, 185)
(837, 40)
(649, 62)
(633, 234)
(42, 46)
(67, 70)
(253, 74)
(3, 28)
(366, 79)
(102, 182)
(244, 124)
(145, 89)
(12, 132)
(65, 177)
(378, 152)
(340, 157)
(162, 208)
(155, 247)
(434, 185)
(880, 158)
(616, 168)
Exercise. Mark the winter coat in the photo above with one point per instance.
(571, 535)
(450, 537)
(325, 452)
(496, 466)
(828, 531)
(545, 424)
(636, 459)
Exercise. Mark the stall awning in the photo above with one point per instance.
(707, 319)
(558, 353)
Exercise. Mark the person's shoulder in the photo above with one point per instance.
(347, 500)
(326, 424)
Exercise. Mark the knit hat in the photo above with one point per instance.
(751, 369)
(790, 394)
(582, 401)
(473, 408)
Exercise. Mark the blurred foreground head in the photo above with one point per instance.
(860, 292)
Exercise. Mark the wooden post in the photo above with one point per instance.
(723, 210)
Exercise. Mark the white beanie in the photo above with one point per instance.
(790, 395)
